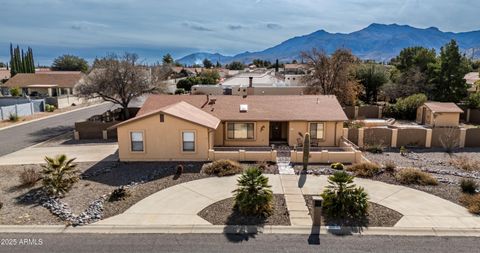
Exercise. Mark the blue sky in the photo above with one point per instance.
(153, 27)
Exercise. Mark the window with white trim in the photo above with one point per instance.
(137, 144)
(240, 131)
(317, 131)
(188, 141)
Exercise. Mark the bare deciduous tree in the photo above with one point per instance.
(120, 79)
(332, 75)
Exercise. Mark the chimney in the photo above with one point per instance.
(250, 81)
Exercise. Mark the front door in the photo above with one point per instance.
(278, 131)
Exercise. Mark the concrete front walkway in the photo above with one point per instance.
(83, 153)
(179, 205)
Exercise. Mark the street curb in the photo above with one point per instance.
(215, 229)
(50, 116)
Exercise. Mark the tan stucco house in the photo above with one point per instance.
(45, 84)
(439, 114)
(198, 127)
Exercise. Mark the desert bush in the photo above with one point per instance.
(403, 151)
(15, 92)
(471, 202)
(343, 200)
(49, 108)
(223, 168)
(28, 177)
(465, 163)
(59, 175)
(374, 148)
(468, 185)
(253, 196)
(449, 139)
(415, 176)
(13, 117)
(118, 194)
(337, 166)
(364, 169)
(389, 166)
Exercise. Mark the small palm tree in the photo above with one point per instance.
(343, 200)
(254, 196)
(59, 175)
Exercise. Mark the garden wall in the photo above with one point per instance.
(363, 112)
(411, 137)
(447, 134)
(377, 136)
(474, 116)
(472, 137)
(349, 111)
(94, 129)
(353, 135)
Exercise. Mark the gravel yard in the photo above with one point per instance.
(223, 213)
(99, 179)
(378, 215)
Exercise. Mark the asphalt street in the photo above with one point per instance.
(19, 137)
(210, 243)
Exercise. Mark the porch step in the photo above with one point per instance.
(285, 169)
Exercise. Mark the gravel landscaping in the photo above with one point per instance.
(223, 213)
(378, 215)
(22, 205)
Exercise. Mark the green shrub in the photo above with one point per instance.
(415, 176)
(343, 200)
(179, 91)
(403, 151)
(49, 108)
(118, 194)
(15, 92)
(472, 202)
(59, 175)
(468, 186)
(223, 168)
(364, 169)
(374, 149)
(337, 166)
(29, 177)
(253, 196)
(13, 117)
(473, 101)
(389, 166)
(406, 108)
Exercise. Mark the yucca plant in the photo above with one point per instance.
(59, 175)
(343, 200)
(253, 196)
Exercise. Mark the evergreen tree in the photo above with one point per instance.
(167, 59)
(21, 62)
(448, 82)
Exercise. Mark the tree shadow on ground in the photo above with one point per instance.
(302, 179)
(243, 227)
(50, 132)
(32, 197)
(124, 173)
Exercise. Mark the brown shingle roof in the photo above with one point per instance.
(443, 107)
(182, 110)
(271, 108)
(64, 79)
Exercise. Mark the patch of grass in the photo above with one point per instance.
(468, 186)
(465, 163)
(364, 169)
(29, 177)
(415, 176)
(471, 202)
(223, 168)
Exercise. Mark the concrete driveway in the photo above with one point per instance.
(83, 152)
(179, 205)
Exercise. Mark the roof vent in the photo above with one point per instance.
(243, 108)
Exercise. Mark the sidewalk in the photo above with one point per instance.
(179, 205)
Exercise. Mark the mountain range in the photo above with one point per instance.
(378, 42)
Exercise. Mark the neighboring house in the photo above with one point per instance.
(209, 128)
(4, 74)
(439, 114)
(473, 79)
(294, 74)
(45, 84)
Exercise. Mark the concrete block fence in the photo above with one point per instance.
(413, 137)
